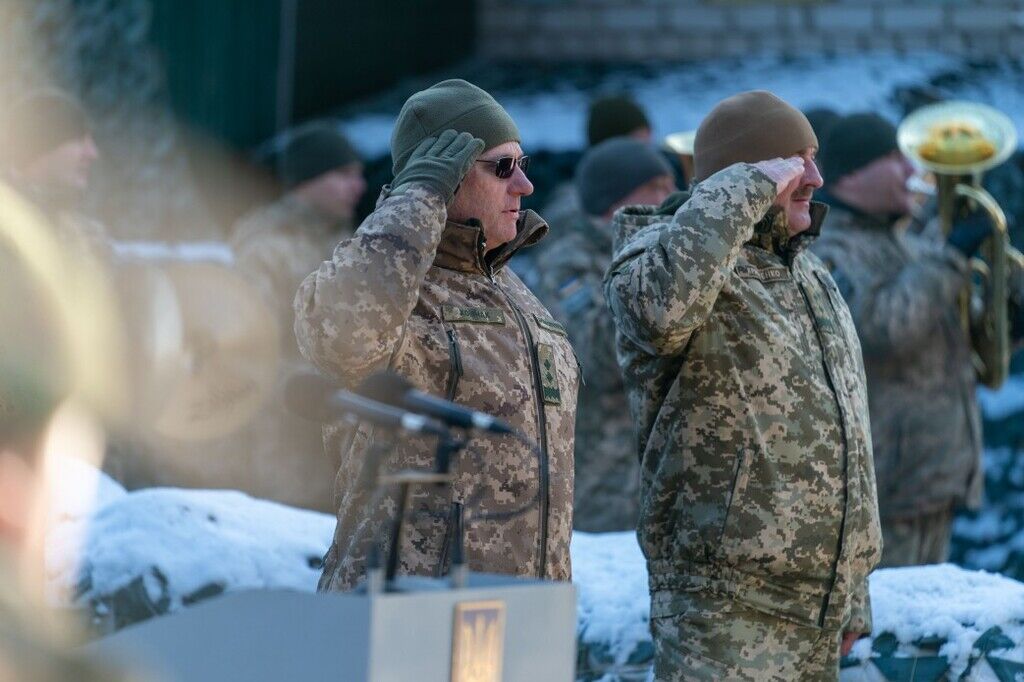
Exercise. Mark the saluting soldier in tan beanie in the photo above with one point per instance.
(758, 516)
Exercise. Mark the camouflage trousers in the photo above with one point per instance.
(711, 637)
(917, 540)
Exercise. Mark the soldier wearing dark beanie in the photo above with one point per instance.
(613, 169)
(314, 150)
(853, 142)
(613, 117)
(749, 127)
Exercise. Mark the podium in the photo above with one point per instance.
(495, 628)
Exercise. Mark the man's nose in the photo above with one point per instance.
(811, 174)
(519, 184)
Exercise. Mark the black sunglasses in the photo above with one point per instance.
(506, 165)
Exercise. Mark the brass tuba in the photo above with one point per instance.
(957, 142)
(681, 144)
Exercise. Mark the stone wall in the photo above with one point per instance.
(640, 30)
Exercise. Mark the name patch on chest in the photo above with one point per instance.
(478, 315)
(763, 274)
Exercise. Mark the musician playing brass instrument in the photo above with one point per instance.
(906, 294)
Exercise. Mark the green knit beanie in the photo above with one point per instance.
(451, 104)
(749, 127)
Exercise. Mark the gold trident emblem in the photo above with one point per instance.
(478, 634)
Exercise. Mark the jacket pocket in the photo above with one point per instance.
(730, 535)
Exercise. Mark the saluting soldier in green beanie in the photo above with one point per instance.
(422, 289)
(758, 516)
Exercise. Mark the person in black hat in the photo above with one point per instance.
(275, 247)
(617, 172)
(903, 289)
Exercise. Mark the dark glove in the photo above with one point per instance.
(969, 233)
(440, 163)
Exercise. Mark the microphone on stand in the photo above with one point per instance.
(316, 398)
(391, 389)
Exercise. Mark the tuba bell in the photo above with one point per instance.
(957, 142)
(681, 144)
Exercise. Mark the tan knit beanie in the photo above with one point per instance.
(749, 127)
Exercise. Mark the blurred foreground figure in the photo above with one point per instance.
(617, 172)
(48, 154)
(35, 645)
(275, 248)
(422, 289)
(758, 516)
(903, 290)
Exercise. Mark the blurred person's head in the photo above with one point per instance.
(47, 142)
(821, 119)
(864, 167)
(322, 167)
(621, 172)
(757, 126)
(616, 116)
(493, 188)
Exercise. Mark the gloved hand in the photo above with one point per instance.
(440, 163)
(969, 233)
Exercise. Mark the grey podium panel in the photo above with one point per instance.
(388, 637)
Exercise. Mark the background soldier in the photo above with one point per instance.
(902, 290)
(617, 172)
(422, 290)
(275, 248)
(48, 154)
(758, 516)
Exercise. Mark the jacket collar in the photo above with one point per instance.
(463, 247)
(771, 233)
(851, 213)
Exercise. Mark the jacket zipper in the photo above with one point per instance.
(538, 391)
(846, 451)
(455, 359)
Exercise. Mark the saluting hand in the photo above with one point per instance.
(785, 172)
(440, 163)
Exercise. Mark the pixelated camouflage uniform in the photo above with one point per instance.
(607, 468)
(745, 378)
(418, 295)
(275, 247)
(902, 289)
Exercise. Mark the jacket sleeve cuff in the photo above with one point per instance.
(860, 613)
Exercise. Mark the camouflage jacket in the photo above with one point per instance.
(745, 378)
(607, 468)
(902, 290)
(417, 295)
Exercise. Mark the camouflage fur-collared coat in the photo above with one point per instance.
(745, 378)
(419, 295)
(902, 290)
(607, 479)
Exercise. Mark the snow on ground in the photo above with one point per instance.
(551, 116)
(611, 581)
(196, 539)
(180, 543)
(947, 602)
